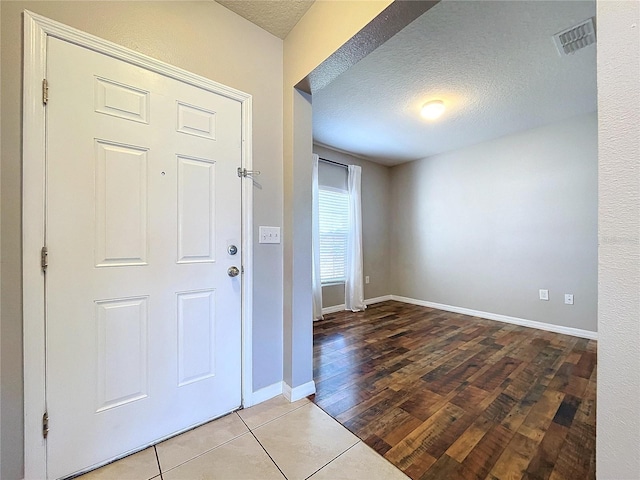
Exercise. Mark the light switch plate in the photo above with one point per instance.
(544, 294)
(269, 234)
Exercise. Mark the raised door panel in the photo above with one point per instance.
(196, 336)
(122, 351)
(121, 204)
(196, 210)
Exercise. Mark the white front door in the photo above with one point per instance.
(143, 322)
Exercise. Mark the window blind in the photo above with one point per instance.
(334, 221)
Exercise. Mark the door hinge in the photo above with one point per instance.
(244, 173)
(45, 425)
(44, 258)
(45, 91)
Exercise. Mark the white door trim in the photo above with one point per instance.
(36, 30)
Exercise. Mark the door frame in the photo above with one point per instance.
(36, 30)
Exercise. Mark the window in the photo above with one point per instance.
(334, 227)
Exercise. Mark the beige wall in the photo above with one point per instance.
(375, 226)
(202, 37)
(487, 226)
(618, 431)
(325, 27)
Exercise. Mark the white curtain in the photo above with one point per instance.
(316, 284)
(354, 285)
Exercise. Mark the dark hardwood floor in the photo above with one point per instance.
(448, 396)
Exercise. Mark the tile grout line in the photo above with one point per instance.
(155, 450)
(333, 459)
(262, 446)
(209, 450)
(249, 430)
(275, 418)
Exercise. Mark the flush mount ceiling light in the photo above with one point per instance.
(433, 109)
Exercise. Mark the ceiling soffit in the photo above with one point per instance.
(277, 17)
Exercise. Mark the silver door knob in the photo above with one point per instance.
(233, 271)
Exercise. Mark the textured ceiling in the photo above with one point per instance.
(493, 63)
(275, 16)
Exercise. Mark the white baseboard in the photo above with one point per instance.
(296, 393)
(264, 394)
(341, 308)
(334, 309)
(575, 332)
(281, 388)
(371, 301)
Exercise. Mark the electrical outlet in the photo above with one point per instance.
(544, 294)
(366, 279)
(269, 235)
(568, 298)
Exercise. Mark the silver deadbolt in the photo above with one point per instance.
(233, 271)
(232, 249)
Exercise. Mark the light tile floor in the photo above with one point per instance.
(273, 440)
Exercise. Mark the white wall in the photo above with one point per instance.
(618, 411)
(486, 226)
(376, 188)
(202, 37)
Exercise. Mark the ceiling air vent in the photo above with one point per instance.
(573, 39)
